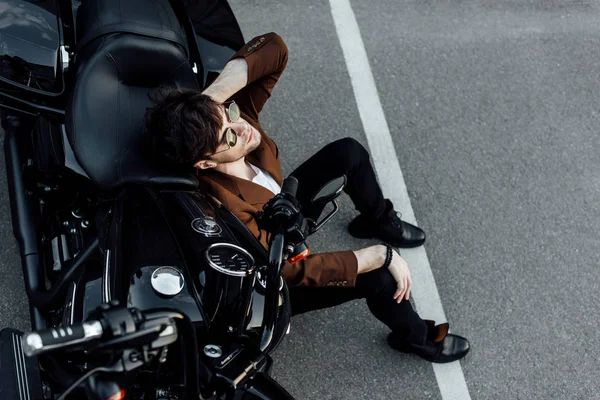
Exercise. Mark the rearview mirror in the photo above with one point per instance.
(330, 191)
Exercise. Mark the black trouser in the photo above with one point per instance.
(348, 157)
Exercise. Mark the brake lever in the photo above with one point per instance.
(129, 340)
(155, 333)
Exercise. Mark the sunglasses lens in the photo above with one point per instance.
(231, 137)
(234, 112)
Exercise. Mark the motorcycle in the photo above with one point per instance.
(140, 285)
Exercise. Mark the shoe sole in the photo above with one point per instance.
(432, 359)
(393, 244)
(409, 350)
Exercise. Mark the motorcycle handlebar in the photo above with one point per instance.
(35, 343)
(290, 186)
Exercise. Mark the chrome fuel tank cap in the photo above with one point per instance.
(207, 226)
(167, 281)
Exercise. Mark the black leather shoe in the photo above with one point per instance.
(440, 346)
(388, 228)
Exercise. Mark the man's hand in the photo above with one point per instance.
(400, 272)
(373, 257)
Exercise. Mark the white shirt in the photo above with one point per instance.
(264, 179)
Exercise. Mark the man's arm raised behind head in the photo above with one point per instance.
(251, 74)
(231, 80)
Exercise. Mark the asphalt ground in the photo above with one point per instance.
(493, 107)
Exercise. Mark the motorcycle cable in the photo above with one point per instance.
(79, 381)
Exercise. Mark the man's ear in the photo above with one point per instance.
(205, 164)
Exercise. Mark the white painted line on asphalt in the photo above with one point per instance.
(450, 378)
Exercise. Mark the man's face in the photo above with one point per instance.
(248, 139)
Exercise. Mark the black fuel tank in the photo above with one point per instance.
(138, 247)
(222, 258)
(165, 235)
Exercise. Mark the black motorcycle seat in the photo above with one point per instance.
(114, 74)
(152, 18)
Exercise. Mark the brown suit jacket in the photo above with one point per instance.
(267, 56)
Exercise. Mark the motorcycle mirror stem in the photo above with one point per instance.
(328, 193)
(316, 226)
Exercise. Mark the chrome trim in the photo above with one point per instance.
(223, 270)
(213, 351)
(35, 346)
(56, 265)
(161, 284)
(69, 309)
(92, 329)
(33, 341)
(26, 387)
(205, 232)
(169, 330)
(65, 247)
(76, 215)
(106, 297)
(64, 57)
(18, 366)
(262, 281)
(21, 368)
(72, 319)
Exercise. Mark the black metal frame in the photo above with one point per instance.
(24, 217)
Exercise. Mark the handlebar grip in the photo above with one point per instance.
(290, 186)
(35, 343)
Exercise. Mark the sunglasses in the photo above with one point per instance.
(232, 112)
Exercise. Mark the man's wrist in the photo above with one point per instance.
(370, 258)
(381, 254)
(215, 94)
(231, 80)
(389, 254)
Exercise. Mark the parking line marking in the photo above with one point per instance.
(450, 377)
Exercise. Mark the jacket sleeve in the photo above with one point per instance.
(267, 57)
(338, 268)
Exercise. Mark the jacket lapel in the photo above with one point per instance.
(248, 191)
(253, 193)
(265, 156)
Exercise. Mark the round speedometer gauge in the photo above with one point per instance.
(229, 259)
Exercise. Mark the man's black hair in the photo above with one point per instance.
(183, 125)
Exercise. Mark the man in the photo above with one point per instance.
(218, 132)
